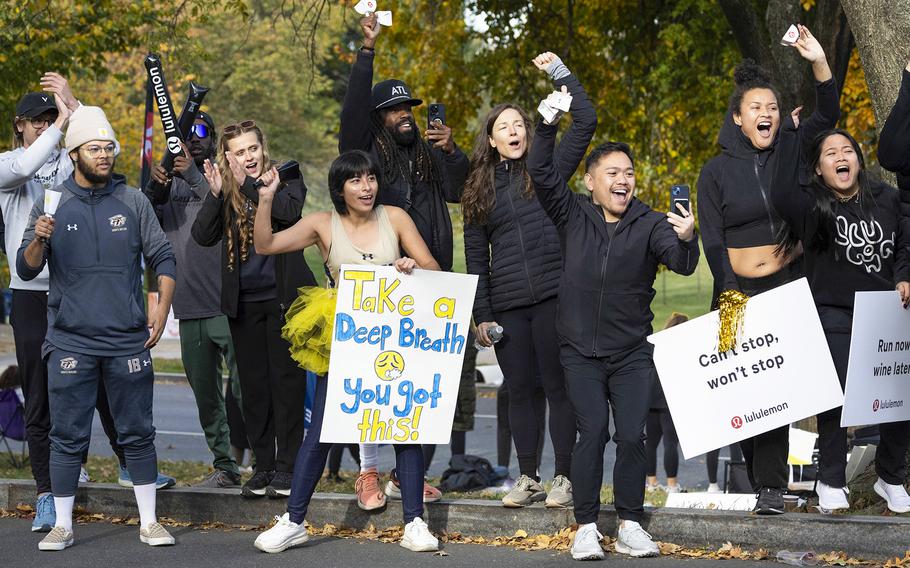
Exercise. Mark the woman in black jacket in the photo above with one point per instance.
(850, 228)
(513, 247)
(256, 291)
(894, 142)
(740, 228)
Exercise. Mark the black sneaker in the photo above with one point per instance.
(280, 487)
(257, 484)
(770, 501)
(220, 479)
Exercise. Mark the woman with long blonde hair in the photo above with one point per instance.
(256, 290)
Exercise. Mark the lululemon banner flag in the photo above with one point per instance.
(779, 372)
(397, 352)
(878, 375)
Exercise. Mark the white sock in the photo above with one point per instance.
(64, 507)
(369, 457)
(145, 500)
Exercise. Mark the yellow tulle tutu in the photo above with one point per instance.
(310, 322)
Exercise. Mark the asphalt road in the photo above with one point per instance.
(180, 438)
(102, 544)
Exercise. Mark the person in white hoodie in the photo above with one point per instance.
(36, 163)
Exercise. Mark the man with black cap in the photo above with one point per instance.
(418, 175)
(204, 333)
(35, 164)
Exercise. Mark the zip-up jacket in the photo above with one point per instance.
(198, 292)
(516, 253)
(865, 255)
(894, 141)
(734, 188)
(426, 206)
(95, 303)
(291, 270)
(24, 174)
(607, 284)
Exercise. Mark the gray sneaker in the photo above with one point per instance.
(586, 544)
(560, 495)
(526, 492)
(156, 535)
(58, 539)
(634, 541)
(219, 479)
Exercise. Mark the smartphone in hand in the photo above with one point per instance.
(679, 194)
(435, 112)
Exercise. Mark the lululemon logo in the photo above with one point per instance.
(173, 144)
(875, 405)
(736, 422)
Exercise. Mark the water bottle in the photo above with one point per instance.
(797, 558)
(495, 334)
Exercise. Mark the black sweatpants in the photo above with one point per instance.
(273, 386)
(660, 425)
(28, 317)
(530, 339)
(890, 457)
(594, 385)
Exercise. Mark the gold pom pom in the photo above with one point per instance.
(732, 304)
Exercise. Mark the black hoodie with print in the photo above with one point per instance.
(734, 188)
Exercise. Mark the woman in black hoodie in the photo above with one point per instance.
(850, 228)
(256, 290)
(740, 227)
(513, 246)
(894, 142)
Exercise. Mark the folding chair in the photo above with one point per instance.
(12, 425)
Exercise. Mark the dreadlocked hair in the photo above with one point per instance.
(240, 211)
(394, 162)
(479, 197)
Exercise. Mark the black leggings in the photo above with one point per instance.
(713, 457)
(529, 345)
(504, 431)
(661, 423)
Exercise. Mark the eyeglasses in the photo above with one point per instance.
(38, 122)
(96, 151)
(232, 129)
(200, 131)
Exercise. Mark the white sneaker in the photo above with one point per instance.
(672, 489)
(634, 541)
(895, 495)
(417, 537)
(282, 536)
(831, 498)
(83, 476)
(58, 539)
(586, 545)
(714, 488)
(156, 535)
(560, 495)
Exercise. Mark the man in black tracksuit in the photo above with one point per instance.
(418, 176)
(612, 245)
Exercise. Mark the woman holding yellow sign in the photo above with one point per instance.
(358, 231)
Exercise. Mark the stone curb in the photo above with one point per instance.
(872, 538)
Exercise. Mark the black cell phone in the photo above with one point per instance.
(679, 194)
(289, 170)
(436, 111)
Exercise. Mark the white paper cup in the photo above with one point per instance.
(51, 201)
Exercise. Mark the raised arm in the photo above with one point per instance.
(301, 235)
(354, 133)
(20, 167)
(571, 150)
(409, 238)
(208, 228)
(790, 200)
(827, 98)
(551, 189)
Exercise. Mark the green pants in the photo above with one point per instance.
(203, 344)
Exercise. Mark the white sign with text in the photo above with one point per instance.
(779, 372)
(397, 350)
(878, 375)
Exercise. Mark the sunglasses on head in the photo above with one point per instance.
(232, 129)
(200, 131)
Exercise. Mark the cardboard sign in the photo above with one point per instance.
(397, 352)
(878, 375)
(780, 371)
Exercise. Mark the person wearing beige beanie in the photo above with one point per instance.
(89, 123)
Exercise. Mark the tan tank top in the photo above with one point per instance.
(343, 251)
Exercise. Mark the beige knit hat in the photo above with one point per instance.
(89, 123)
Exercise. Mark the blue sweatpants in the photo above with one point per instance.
(72, 381)
(312, 455)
